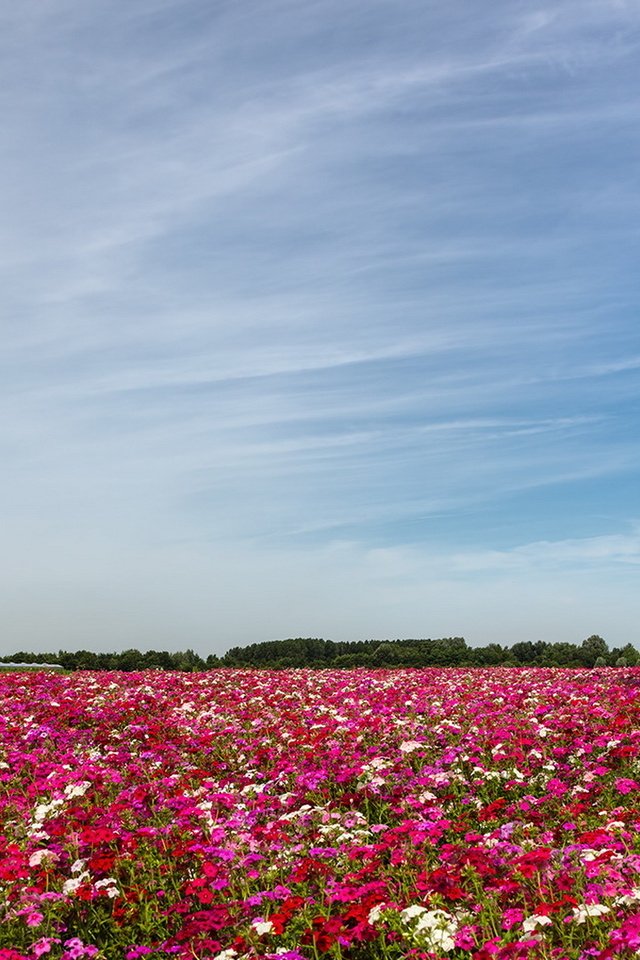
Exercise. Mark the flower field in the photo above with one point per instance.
(298, 814)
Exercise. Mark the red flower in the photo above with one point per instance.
(95, 835)
(102, 863)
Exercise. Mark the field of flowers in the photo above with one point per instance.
(356, 814)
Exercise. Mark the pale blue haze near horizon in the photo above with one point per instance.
(319, 318)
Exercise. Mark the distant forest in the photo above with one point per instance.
(316, 653)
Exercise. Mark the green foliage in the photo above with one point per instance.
(593, 650)
(128, 660)
(297, 652)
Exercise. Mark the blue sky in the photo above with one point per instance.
(319, 319)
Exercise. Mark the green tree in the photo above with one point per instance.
(591, 649)
(630, 654)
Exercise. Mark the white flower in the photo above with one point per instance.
(43, 810)
(76, 789)
(409, 746)
(228, 954)
(262, 926)
(432, 919)
(375, 913)
(70, 886)
(78, 866)
(531, 923)
(111, 886)
(426, 795)
(439, 939)
(584, 910)
(588, 855)
(410, 913)
(437, 929)
(38, 856)
(378, 763)
(628, 898)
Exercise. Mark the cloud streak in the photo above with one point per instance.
(284, 278)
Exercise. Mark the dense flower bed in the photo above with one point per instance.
(356, 814)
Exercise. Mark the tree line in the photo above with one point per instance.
(317, 653)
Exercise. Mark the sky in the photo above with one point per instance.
(318, 318)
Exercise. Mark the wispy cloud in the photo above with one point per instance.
(293, 277)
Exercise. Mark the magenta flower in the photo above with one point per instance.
(300, 811)
(625, 785)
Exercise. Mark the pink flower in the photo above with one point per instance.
(556, 787)
(42, 946)
(510, 917)
(624, 785)
(75, 949)
(34, 919)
